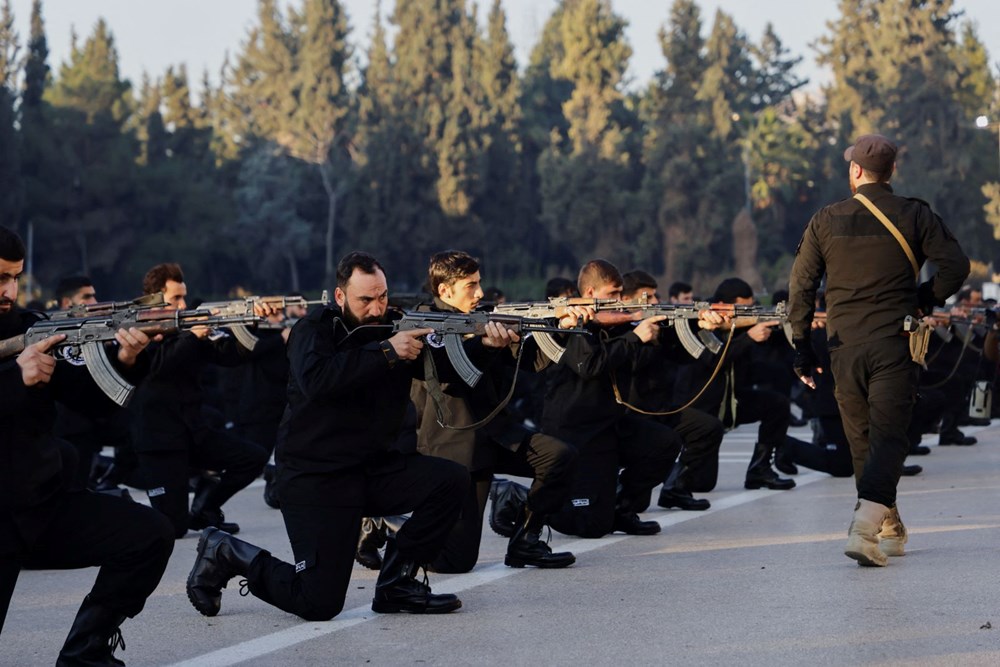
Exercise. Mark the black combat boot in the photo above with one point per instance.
(675, 494)
(627, 521)
(760, 474)
(93, 638)
(784, 457)
(270, 488)
(398, 591)
(205, 511)
(526, 547)
(507, 500)
(220, 558)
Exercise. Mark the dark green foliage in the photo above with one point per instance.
(292, 158)
(11, 188)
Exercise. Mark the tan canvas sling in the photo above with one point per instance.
(892, 230)
(920, 338)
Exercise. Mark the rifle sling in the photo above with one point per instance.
(892, 230)
(965, 345)
(437, 394)
(715, 372)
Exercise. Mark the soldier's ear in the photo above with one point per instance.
(339, 297)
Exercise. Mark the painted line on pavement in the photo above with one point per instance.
(303, 632)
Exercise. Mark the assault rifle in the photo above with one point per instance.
(86, 336)
(107, 307)
(450, 328)
(245, 306)
(614, 311)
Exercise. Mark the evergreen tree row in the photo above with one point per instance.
(297, 153)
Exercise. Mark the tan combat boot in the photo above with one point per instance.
(862, 536)
(892, 537)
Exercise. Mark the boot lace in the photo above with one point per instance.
(426, 582)
(244, 587)
(116, 641)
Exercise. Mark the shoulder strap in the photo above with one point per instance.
(892, 229)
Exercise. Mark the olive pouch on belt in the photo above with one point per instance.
(920, 338)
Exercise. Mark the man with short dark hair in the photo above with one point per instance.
(91, 428)
(871, 248)
(622, 456)
(44, 524)
(732, 395)
(560, 287)
(75, 291)
(503, 445)
(680, 292)
(172, 435)
(348, 392)
(652, 390)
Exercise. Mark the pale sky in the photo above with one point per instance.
(152, 34)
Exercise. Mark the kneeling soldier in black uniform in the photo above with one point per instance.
(348, 391)
(504, 444)
(44, 524)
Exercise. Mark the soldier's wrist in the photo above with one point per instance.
(389, 352)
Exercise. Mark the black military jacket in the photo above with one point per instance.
(579, 398)
(346, 409)
(167, 406)
(32, 468)
(870, 284)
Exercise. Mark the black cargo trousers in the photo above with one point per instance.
(876, 387)
(323, 521)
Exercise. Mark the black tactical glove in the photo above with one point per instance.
(806, 362)
(926, 300)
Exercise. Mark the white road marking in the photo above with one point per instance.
(255, 648)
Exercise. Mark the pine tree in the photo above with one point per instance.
(150, 131)
(898, 70)
(503, 208)
(318, 130)
(38, 149)
(679, 151)
(269, 231)
(11, 187)
(585, 178)
(91, 108)
(289, 88)
(434, 55)
(390, 193)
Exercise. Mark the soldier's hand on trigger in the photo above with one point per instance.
(649, 328)
(37, 365)
(499, 336)
(762, 330)
(407, 344)
(576, 316)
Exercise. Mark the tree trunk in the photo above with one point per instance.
(330, 267)
(745, 249)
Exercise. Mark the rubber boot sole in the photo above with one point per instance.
(511, 561)
(386, 607)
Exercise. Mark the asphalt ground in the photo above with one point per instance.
(760, 579)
